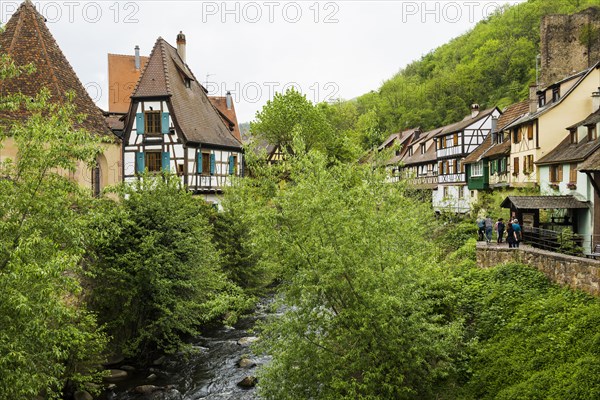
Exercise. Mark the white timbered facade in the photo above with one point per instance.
(453, 144)
(173, 127)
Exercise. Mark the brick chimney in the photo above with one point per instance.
(533, 98)
(181, 45)
(596, 100)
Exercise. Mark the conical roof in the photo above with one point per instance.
(27, 40)
(165, 75)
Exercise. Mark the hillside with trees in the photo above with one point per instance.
(492, 65)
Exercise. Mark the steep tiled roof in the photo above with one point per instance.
(593, 118)
(487, 149)
(543, 202)
(227, 114)
(570, 152)
(26, 39)
(466, 122)
(430, 153)
(196, 117)
(532, 116)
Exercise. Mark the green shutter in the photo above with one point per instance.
(199, 162)
(139, 123)
(493, 165)
(164, 125)
(166, 161)
(140, 162)
(231, 165)
(213, 164)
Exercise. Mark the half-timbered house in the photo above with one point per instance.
(453, 143)
(173, 126)
(418, 165)
(402, 141)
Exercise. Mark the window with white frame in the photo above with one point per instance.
(477, 169)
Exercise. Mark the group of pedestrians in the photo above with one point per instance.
(486, 227)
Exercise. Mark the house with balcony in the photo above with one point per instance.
(453, 143)
(542, 129)
(418, 165)
(488, 166)
(172, 126)
(402, 143)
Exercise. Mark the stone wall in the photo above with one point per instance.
(562, 52)
(575, 272)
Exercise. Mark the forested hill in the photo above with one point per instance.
(492, 65)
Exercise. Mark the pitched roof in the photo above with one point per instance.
(543, 202)
(580, 76)
(27, 39)
(227, 114)
(430, 154)
(197, 118)
(570, 152)
(592, 119)
(466, 122)
(487, 149)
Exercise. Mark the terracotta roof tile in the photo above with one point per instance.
(543, 202)
(27, 40)
(195, 115)
(567, 152)
(228, 114)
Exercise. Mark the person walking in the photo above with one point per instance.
(518, 232)
(510, 235)
(500, 229)
(480, 228)
(489, 229)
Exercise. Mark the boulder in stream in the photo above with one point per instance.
(82, 395)
(245, 341)
(116, 375)
(248, 382)
(245, 362)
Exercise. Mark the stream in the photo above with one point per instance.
(211, 372)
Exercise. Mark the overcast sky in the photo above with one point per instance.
(327, 49)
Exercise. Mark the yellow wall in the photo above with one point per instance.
(109, 161)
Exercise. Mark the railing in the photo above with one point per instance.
(557, 241)
(451, 178)
(449, 151)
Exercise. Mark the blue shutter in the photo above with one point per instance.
(140, 162)
(199, 162)
(166, 161)
(231, 165)
(213, 165)
(165, 123)
(139, 123)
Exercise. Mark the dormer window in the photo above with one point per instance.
(423, 149)
(592, 134)
(152, 122)
(573, 135)
(542, 100)
(188, 82)
(410, 151)
(555, 94)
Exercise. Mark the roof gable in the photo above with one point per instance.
(196, 117)
(27, 40)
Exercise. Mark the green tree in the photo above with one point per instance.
(157, 277)
(46, 335)
(363, 296)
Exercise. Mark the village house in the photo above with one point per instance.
(453, 143)
(402, 142)
(173, 126)
(27, 40)
(551, 109)
(488, 166)
(419, 164)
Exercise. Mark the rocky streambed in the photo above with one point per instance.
(221, 366)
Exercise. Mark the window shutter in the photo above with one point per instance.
(140, 162)
(199, 162)
(213, 163)
(530, 131)
(516, 166)
(493, 167)
(166, 161)
(560, 173)
(441, 167)
(231, 165)
(165, 123)
(139, 123)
